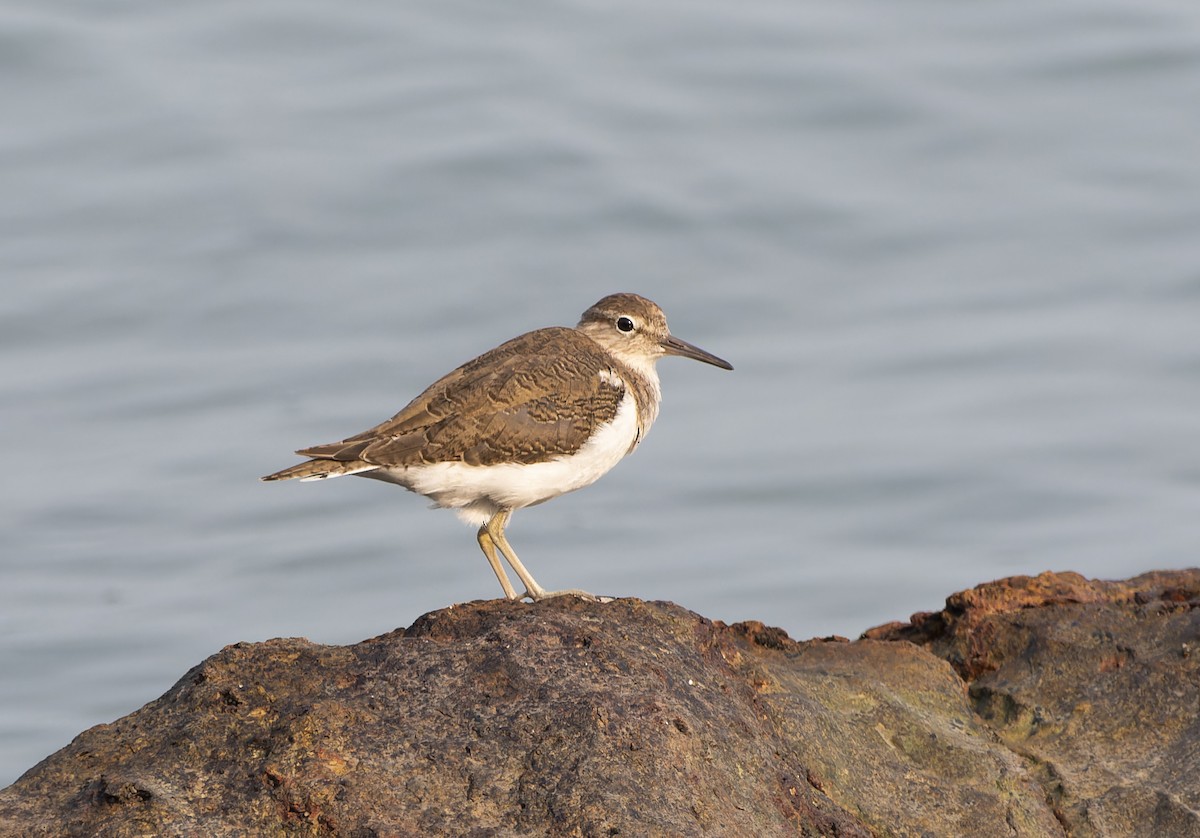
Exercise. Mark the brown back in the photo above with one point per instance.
(536, 396)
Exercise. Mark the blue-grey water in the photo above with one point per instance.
(952, 249)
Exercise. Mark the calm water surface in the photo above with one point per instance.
(950, 248)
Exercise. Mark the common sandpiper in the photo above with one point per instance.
(543, 414)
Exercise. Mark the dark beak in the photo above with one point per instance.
(675, 346)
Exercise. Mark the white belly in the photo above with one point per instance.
(478, 492)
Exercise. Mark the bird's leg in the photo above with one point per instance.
(494, 528)
(488, 546)
(495, 531)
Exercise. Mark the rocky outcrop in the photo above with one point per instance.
(1095, 684)
(1028, 707)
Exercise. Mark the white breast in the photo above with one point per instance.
(477, 492)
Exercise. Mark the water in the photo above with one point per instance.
(950, 248)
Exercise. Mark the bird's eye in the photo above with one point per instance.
(625, 324)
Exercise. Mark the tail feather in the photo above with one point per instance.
(320, 470)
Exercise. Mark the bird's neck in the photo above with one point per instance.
(642, 378)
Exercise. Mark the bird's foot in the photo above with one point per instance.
(540, 594)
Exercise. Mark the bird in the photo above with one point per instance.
(545, 413)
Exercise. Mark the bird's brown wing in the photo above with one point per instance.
(534, 397)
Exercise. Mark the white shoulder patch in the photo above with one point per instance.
(612, 379)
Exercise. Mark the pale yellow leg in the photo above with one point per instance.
(495, 531)
(489, 550)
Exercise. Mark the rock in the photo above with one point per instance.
(1096, 684)
(1028, 707)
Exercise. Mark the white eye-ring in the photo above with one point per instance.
(625, 324)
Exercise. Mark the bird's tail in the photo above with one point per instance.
(319, 470)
